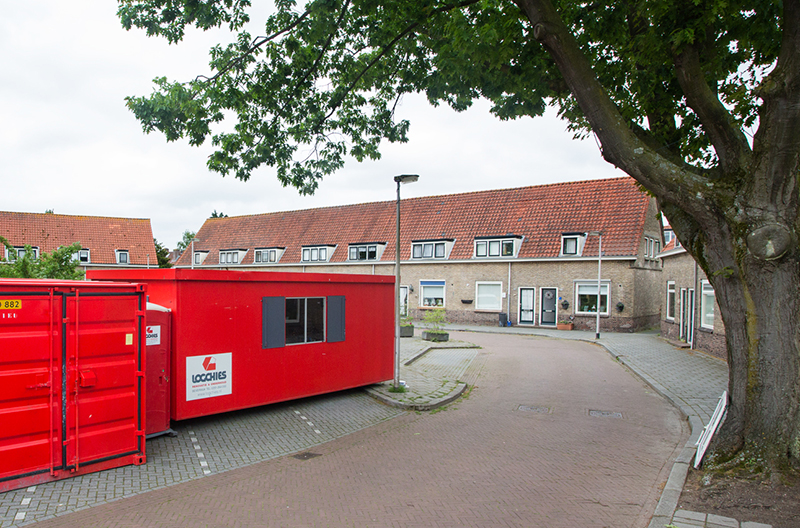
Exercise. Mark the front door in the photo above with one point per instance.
(526, 312)
(687, 315)
(548, 304)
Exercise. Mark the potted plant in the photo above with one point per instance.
(565, 324)
(406, 326)
(435, 319)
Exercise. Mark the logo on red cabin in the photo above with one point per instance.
(210, 363)
(149, 329)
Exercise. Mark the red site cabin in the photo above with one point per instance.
(241, 339)
(71, 379)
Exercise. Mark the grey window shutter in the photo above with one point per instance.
(273, 320)
(336, 319)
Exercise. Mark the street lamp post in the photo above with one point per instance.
(403, 178)
(599, 264)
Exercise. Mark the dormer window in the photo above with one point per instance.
(267, 255)
(572, 244)
(368, 251)
(317, 253)
(231, 256)
(122, 256)
(84, 257)
(199, 257)
(431, 249)
(497, 247)
(19, 252)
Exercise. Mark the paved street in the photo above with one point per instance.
(552, 433)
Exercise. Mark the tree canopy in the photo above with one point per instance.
(698, 100)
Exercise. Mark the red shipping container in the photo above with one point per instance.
(242, 339)
(71, 379)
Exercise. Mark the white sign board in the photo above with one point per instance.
(208, 376)
(152, 335)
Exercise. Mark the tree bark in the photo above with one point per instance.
(739, 221)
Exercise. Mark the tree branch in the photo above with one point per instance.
(257, 43)
(620, 146)
(729, 142)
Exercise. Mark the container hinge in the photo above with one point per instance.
(140, 313)
(139, 374)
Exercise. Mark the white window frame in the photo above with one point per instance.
(230, 256)
(20, 252)
(479, 299)
(377, 247)
(496, 247)
(316, 253)
(431, 249)
(429, 284)
(403, 300)
(580, 241)
(119, 254)
(707, 299)
(88, 256)
(199, 257)
(267, 255)
(605, 285)
(671, 291)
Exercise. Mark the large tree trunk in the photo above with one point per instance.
(739, 221)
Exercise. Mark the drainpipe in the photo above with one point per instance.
(694, 307)
(508, 294)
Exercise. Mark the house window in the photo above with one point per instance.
(266, 256)
(707, 298)
(315, 254)
(84, 257)
(305, 320)
(228, 257)
(489, 296)
(19, 252)
(432, 293)
(199, 257)
(433, 249)
(572, 244)
(122, 256)
(586, 297)
(500, 247)
(569, 245)
(670, 301)
(302, 320)
(365, 252)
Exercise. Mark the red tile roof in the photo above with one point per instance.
(101, 235)
(616, 207)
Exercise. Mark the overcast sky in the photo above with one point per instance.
(68, 143)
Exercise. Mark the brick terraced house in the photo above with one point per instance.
(106, 242)
(526, 253)
(689, 310)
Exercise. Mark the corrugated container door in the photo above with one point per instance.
(104, 377)
(30, 383)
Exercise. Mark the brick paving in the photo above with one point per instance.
(434, 376)
(522, 449)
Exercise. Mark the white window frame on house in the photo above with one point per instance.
(427, 288)
(591, 286)
(365, 251)
(84, 256)
(19, 251)
(123, 256)
(231, 256)
(316, 253)
(431, 249)
(707, 298)
(489, 296)
(199, 257)
(577, 240)
(267, 255)
(672, 301)
(497, 247)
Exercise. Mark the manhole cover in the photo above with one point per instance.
(306, 456)
(605, 414)
(529, 408)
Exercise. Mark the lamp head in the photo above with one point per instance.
(406, 178)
